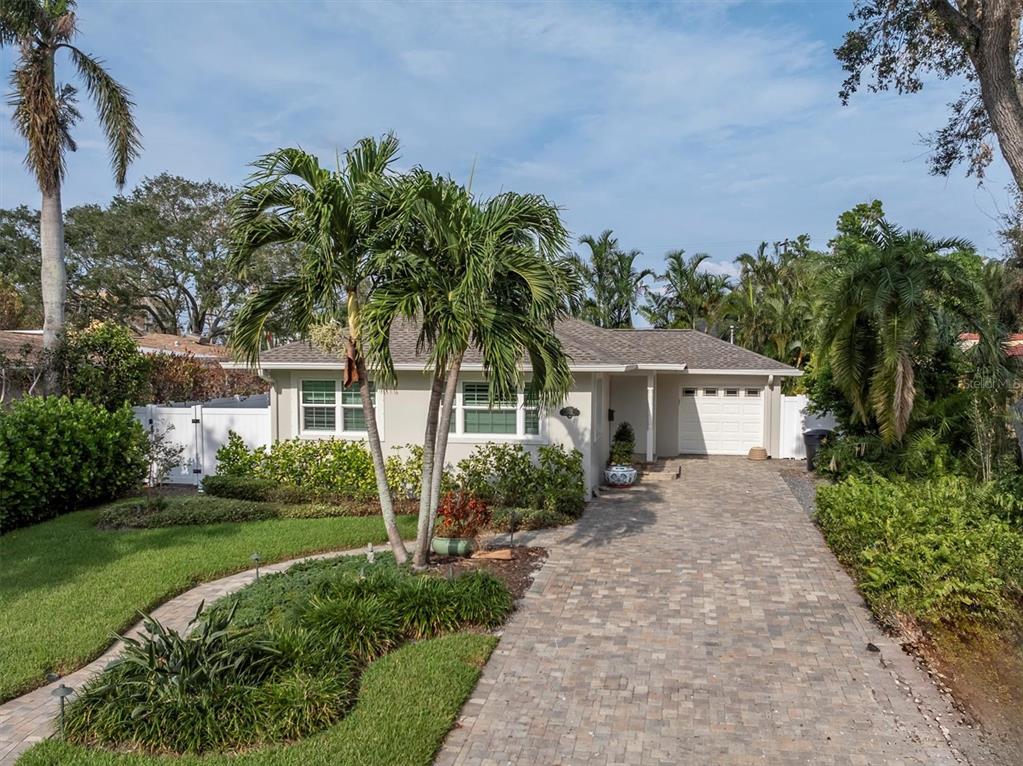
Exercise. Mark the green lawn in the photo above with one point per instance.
(66, 586)
(408, 701)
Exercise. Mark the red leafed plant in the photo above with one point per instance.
(461, 514)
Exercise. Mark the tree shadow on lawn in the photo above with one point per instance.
(59, 551)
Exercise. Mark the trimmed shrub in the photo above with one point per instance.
(57, 456)
(935, 550)
(506, 475)
(314, 470)
(623, 445)
(335, 471)
(201, 511)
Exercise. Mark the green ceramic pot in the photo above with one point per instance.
(453, 546)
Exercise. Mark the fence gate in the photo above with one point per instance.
(794, 422)
(201, 431)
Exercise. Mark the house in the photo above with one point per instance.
(683, 391)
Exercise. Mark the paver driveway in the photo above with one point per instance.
(699, 621)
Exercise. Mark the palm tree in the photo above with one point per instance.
(771, 304)
(691, 298)
(45, 112)
(483, 274)
(613, 282)
(887, 293)
(329, 216)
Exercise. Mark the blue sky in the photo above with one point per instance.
(707, 126)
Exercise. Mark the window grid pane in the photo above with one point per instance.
(490, 421)
(353, 419)
(532, 421)
(350, 394)
(318, 392)
(318, 418)
(478, 395)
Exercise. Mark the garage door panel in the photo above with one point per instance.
(717, 424)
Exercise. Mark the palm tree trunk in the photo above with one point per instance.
(53, 279)
(443, 429)
(377, 451)
(422, 550)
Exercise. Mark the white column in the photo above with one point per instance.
(651, 382)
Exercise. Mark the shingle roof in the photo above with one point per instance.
(585, 345)
(16, 344)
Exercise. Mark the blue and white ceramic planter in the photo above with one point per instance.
(620, 475)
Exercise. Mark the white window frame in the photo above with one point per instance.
(460, 435)
(338, 432)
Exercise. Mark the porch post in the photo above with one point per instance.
(651, 382)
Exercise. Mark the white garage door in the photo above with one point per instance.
(715, 420)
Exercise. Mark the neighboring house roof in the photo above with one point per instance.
(164, 343)
(1013, 344)
(587, 346)
(14, 342)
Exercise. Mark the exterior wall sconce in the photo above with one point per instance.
(569, 412)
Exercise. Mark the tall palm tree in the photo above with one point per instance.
(45, 111)
(887, 293)
(613, 282)
(690, 298)
(484, 274)
(329, 215)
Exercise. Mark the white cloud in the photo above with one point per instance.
(703, 126)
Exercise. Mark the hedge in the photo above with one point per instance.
(57, 456)
(332, 470)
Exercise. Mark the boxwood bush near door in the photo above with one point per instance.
(57, 456)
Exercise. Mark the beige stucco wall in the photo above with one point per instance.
(628, 400)
(401, 417)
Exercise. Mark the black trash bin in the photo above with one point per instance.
(812, 439)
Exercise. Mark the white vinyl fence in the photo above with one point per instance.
(794, 422)
(202, 431)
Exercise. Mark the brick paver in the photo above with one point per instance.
(30, 718)
(698, 621)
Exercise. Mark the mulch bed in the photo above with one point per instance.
(516, 574)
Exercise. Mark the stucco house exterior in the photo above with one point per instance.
(683, 391)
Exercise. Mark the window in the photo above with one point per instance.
(318, 400)
(483, 417)
(320, 407)
(531, 417)
(352, 416)
(710, 392)
(688, 392)
(476, 414)
(752, 392)
(731, 392)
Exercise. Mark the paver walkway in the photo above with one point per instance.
(30, 718)
(700, 621)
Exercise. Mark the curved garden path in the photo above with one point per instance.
(28, 719)
(699, 621)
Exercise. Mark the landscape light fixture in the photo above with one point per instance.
(62, 692)
(256, 558)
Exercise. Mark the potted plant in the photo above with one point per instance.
(461, 517)
(619, 471)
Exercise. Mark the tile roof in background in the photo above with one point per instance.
(584, 344)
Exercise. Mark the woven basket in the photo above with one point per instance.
(757, 453)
